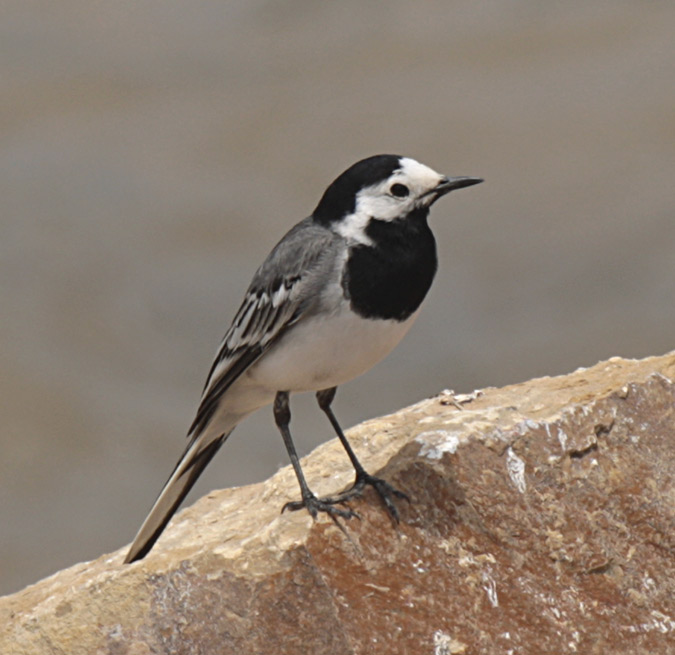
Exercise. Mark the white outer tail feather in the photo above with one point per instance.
(193, 461)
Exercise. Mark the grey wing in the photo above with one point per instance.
(284, 289)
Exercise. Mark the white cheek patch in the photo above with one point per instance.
(375, 201)
(371, 202)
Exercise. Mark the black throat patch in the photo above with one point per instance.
(389, 279)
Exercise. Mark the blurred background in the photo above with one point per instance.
(151, 153)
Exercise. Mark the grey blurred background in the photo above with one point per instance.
(151, 153)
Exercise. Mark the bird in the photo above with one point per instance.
(333, 297)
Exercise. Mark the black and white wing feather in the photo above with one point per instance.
(284, 289)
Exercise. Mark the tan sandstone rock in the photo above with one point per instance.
(543, 521)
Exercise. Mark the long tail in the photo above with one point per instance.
(189, 467)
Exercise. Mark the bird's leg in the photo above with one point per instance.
(363, 478)
(282, 417)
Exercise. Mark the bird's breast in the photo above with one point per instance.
(390, 279)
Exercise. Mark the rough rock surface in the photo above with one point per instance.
(542, 522)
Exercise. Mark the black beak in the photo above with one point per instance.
(448, 184)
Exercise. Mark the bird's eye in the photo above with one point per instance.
(399, 190)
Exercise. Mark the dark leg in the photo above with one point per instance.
(383, 488)
(282, 417)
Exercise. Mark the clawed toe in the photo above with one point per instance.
(315, 505)
(385, 491)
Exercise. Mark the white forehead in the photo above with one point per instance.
(418, 174)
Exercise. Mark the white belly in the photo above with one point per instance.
(316, 354)
(323, 353)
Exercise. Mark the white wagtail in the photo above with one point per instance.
(334, 297)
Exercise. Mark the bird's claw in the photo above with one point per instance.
(385, 491)
(315, 505)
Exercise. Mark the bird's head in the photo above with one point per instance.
(383, 187)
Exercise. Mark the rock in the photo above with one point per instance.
(542, 522)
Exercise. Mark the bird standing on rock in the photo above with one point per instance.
(332, 299)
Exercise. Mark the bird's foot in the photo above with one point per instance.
(315, 505)
(385, 491)
(327, 504)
